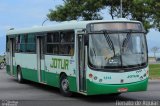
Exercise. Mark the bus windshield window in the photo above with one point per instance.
(101, 50)
(117, 50)
(134, 51)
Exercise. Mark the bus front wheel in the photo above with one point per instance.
(64, 86)
(19, 75)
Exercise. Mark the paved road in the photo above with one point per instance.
(33, 94)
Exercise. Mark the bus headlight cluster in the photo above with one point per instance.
(147, 73)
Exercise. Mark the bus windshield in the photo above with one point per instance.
(117, 50)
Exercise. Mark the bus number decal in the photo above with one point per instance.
(107, 77)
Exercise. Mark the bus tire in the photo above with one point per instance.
(2, 65)
(19, 75)
(64, 86)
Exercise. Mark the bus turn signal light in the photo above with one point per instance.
(147, 72)
(90, 75)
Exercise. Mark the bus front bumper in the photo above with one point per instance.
(95, 88)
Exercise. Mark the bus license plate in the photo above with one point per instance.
(122, 89)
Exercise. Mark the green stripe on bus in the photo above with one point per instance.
(14, 70)
(51, 79)
(8, 69)
(30, 74)
(72, 84)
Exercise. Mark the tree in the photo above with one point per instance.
(155, 50)
(76, 9)
(146, 11)
(141, 10)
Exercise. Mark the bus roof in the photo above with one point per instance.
(66, 25)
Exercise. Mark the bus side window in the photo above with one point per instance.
(52, 42)
(71, 50)
(60, 43)
(67, 43)
(22, 43)
(55, 49)
(7, 44)
(17, 43)
(31, 43)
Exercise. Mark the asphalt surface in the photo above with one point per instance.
(34, 94)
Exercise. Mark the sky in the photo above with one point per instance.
(30, 13)
(23, 13)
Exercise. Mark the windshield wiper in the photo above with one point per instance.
(126, 40)
(109, 41)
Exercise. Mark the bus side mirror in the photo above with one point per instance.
(86, 39)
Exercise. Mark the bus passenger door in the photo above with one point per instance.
(40, 59)
(11, 55)
(81, 63)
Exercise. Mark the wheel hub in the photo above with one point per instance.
(65, 84)
(19, 76)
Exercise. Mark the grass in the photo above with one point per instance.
(154, 71)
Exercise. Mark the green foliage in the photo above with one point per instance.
(141, 10)
(151, 66)
(154, 71)
(76, 9)
(146, 11)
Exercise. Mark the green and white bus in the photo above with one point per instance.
(87, 57)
